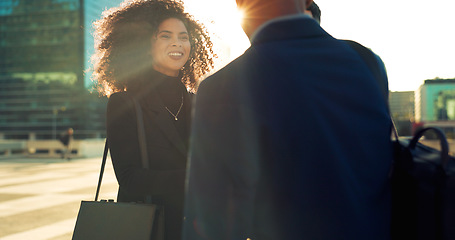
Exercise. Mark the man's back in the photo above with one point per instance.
(304, 147)
(325, 139)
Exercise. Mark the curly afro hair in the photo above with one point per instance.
(123, 40)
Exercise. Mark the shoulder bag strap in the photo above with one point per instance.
(370, 59)
(103, 164)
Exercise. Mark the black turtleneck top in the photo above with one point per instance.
(172, 91)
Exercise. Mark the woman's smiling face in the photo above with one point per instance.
(170, 47)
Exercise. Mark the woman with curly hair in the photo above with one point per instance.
(153, 52)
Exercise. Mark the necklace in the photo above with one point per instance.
(175, 115)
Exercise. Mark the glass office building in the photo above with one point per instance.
(45, 47)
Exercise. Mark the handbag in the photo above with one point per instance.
(423, 189)
(422, 178)
(99, 220)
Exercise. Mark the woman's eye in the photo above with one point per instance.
(165, 36)
(184, 38)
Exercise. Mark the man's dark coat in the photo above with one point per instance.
(290, 141)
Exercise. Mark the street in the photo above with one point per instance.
(40, 198)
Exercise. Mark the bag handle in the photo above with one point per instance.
(142, 147)
(442, 140)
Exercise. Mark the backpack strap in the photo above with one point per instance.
(372, 62)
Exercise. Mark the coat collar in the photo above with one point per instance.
(289, 27)
(161, 117)
(154, 108)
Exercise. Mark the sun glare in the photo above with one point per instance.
(223, 22)
(237, 16)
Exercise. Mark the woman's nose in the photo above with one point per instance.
(177, 42)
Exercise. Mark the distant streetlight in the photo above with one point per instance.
(54, 120)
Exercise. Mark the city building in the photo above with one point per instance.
(45, 47)
(402, 111)
(435, 105)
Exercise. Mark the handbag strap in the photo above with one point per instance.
(372, 62)
(142, 147)
(103, 164)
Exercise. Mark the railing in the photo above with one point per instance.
(50, 148)
(48, 134)
(10, 148)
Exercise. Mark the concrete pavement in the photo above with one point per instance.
(40, 198)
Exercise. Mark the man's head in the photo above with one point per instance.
(257, 12)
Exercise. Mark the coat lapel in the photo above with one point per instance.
(156, 106)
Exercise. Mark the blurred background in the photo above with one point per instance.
(45, 85)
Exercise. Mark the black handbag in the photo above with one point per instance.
(99, 220)
(423, 189)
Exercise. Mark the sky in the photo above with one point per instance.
(414, 38)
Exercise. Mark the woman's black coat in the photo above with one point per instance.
(166, 147)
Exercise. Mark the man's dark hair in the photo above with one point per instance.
(315, 11)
